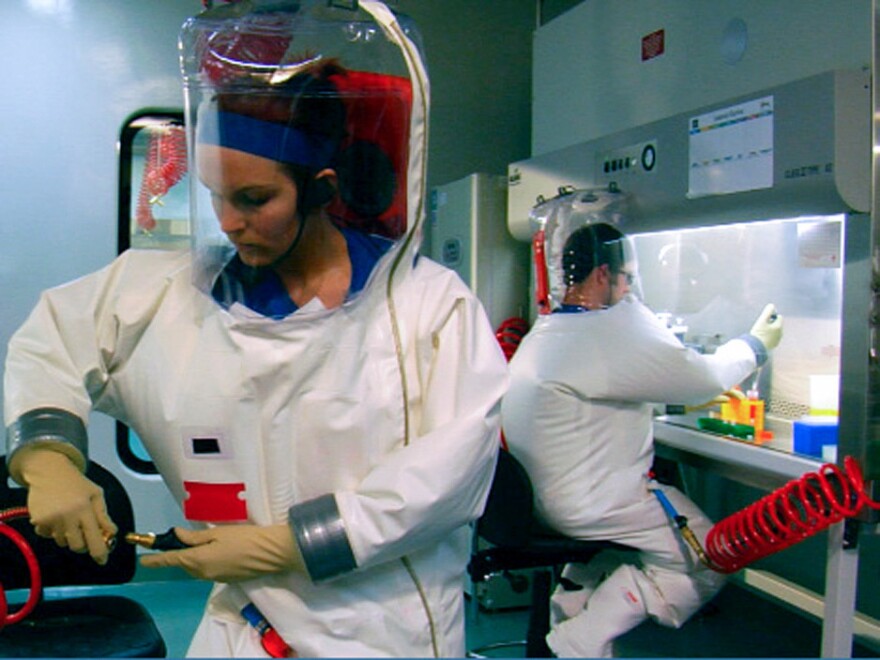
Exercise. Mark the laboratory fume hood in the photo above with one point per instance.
(763, 198)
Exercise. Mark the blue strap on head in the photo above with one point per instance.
(277, 142)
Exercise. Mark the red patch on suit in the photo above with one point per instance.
(214, 502)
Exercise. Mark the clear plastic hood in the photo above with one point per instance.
(312, 85)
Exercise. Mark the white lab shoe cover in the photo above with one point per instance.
(565, 604)
(617, 605)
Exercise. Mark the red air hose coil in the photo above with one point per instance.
(788, 515)
(33, 567)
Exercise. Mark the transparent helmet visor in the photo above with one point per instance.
(576, 232)
(314, 87)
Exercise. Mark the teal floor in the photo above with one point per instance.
(737, 624)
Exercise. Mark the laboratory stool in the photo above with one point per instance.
(516, 541)
(75, 623)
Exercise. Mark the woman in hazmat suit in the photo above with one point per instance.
(322, 401)
(578, 415)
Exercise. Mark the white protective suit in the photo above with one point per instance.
(578, 415)
(372, 428)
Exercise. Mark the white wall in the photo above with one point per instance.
(479, 58)
(589, 79)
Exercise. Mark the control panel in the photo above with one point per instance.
(623, 162)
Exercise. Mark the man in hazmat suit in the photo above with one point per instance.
(322, 401)
(578, 415)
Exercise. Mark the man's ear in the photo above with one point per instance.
(603, 273)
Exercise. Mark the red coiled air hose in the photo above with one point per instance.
(165, 165)
(801, 508)
(33, 568)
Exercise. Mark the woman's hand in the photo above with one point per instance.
(63, 504)
(232, 553)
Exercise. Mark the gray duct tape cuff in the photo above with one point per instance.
(320, 533)
(757, 346)
(51, 425)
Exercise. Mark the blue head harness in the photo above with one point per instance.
(277, 142)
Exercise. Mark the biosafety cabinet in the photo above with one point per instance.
(766, 197)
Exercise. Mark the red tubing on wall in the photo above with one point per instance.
(33, 567)
(800, 509)
(510, 333)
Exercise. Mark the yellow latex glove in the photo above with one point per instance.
(63, 504)
(718, 400)
(232, 553)
(768, 327)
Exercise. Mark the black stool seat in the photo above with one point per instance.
(84, 627)
(519, 541)
(547, 551)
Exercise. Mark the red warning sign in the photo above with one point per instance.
(653, 45)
